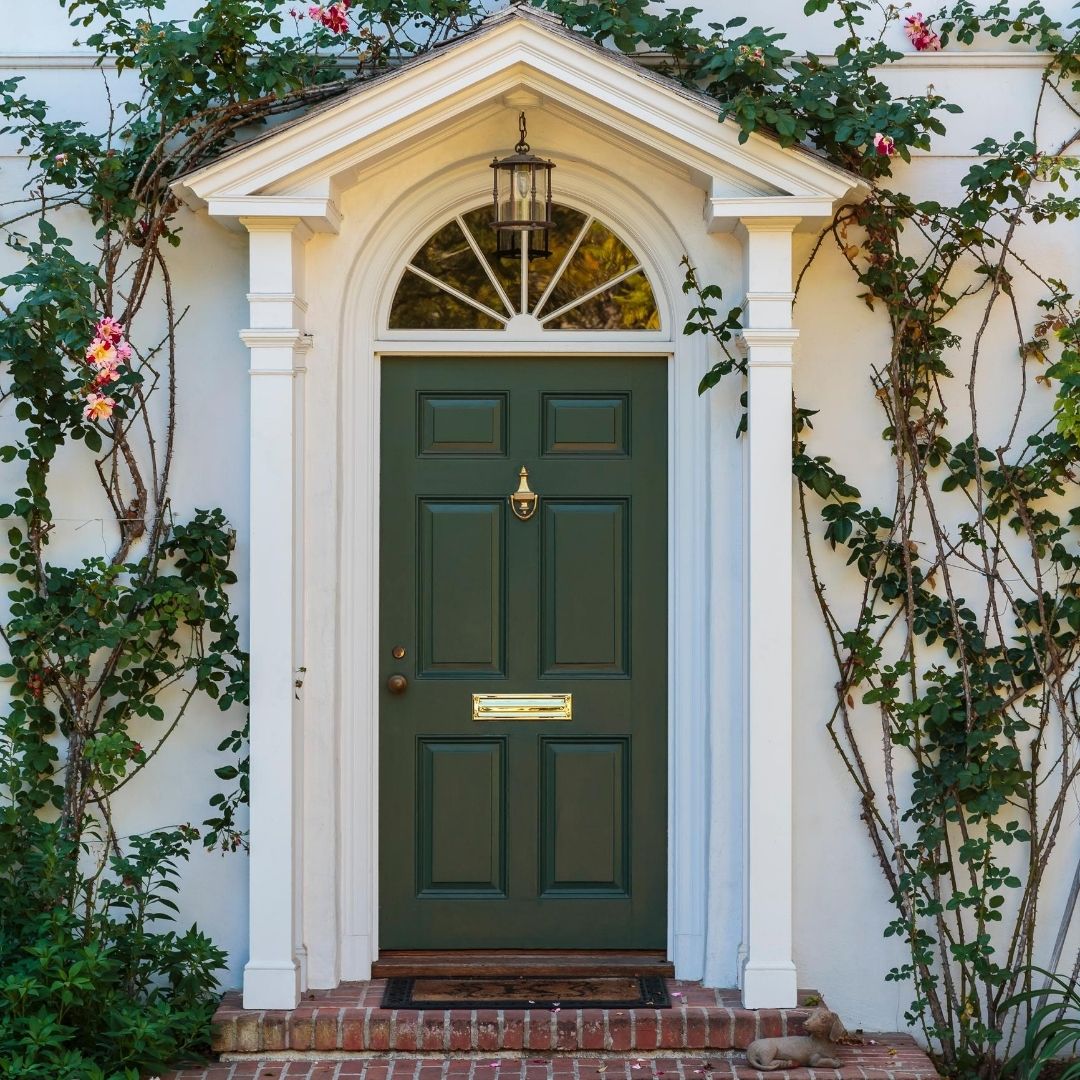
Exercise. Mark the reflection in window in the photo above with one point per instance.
(590, 281)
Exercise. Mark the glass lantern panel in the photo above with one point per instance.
(601, 257)
(629, 305)
(448, 257)
(419, 305)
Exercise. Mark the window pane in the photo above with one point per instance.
(630, 305)
(448, 257)
(507, 271)
(568, 223)
(419, 305)
(601, 257)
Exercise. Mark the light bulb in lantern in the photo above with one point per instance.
(522, 178)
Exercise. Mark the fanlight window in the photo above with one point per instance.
(590, 281)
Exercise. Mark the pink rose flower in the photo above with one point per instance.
(334, 18)
(101, 353)
(104, 377)
(921, 36)
(884, 145)
(98, 407)
(108, 329)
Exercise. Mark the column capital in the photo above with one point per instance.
(768, 224)
(299, 229)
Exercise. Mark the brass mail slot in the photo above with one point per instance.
(522, 706)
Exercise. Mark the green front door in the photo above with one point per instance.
(536, 831)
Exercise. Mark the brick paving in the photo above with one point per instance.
(881, 1057)
(350, 1018)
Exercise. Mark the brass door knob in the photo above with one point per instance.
(397, 684)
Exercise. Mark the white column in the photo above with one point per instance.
(272, 976)
(768, 973)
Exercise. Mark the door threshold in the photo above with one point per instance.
(581, 963)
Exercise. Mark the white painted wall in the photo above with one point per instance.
(841, 901)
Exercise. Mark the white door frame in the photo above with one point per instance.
(688, 555)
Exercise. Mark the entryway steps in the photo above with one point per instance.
(350, 1018)
(881, 1057)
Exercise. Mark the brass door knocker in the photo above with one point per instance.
(523, 501)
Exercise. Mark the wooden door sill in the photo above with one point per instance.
(580, 963)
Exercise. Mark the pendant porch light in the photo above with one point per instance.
(522, 201)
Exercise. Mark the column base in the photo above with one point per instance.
(769, 985)
(271, 986)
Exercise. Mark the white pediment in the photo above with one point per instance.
(299, 168)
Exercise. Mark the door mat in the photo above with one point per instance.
(528, 992)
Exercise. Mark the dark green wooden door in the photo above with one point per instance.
(524, 833)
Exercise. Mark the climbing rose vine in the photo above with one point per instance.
(955, 713)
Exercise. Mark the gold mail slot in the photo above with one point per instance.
(523, 706)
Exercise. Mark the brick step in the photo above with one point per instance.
(881, 1057)
(350, 1018)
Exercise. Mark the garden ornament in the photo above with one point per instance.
(816, 1049)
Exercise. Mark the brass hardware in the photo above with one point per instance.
(398, 652)
(524, 502)
(523, 706)
(397, 684)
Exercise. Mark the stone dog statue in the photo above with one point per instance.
(816, 1049)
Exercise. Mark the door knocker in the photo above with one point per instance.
(523, 501)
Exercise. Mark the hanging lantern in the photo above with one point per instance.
(522, 194)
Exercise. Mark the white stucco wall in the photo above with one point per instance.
(841, 898)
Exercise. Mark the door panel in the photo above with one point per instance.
(586, 424)
(524, 833)
(585, 588)
(461, 425)
(462, 616)
(585, 803)
(461, 814)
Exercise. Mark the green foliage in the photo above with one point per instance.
(1053, 1030)
(836, 105)
(107, 991)
(964, 646)
(971, 691)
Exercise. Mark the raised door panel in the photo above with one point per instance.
(585, 603)
(589, 425)
(462, 591)
(461, 817)
(462, 425)
(584, 817)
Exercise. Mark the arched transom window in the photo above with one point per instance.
(590, 281)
